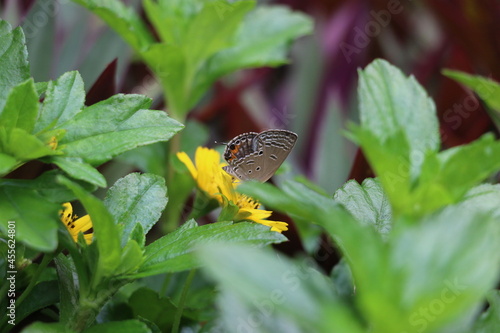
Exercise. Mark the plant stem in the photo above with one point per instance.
(165, 284)
(45, 261)
(182, 301)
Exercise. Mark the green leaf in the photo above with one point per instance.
(487, 89)
(274, 289)
(391, 162)
(171, 68)
(296, 199)
(138, 235)
(125, 21)
(341, 276)
(68, 287)
(136, 198)
(151, 158)
(7, 163)
(14, 59)
(174, 252)
(22, 145)
(390, 102)
(106, 233)
(209, 31)
(258, 43)
(64, 98)
(255, 44)
(202, 41)
(448, 257)
(21, 108)
(34, 216)
(171, 18)
(203, 34)
(228, 212)
(398, 134)
(113, 126)
(448, 176)
(41, 87)
(398, 128)
(131, 258)
(44, 294)
(489, 321)
(40, 327)
(46, 185)
(367, 203)
(427, 266)
(124, 326)
(147, 304)
(78, 169)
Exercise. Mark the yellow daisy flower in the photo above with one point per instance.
(76, 225)
(219, 185)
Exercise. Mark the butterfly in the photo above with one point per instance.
(258, 155)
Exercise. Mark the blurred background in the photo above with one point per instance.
(314, 95)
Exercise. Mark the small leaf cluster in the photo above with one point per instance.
(200, 41)
(50, 122)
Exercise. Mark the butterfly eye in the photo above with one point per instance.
(232, 147)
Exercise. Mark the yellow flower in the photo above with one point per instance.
(52, 143)
(76, 225)
(219, 185)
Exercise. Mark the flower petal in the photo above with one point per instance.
(275, 225)
(184, 158)
(83, 224)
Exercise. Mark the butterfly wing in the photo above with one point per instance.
(236, 152)
(258, 156)
(239, 147)
(276, 146)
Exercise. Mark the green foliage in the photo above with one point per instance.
(15, 66)
(200, 41)
(274, 292)
(420, 243)
(437, 262)
(490, 319)
(136, 200)
(49, 122)
(370, 196)
(174, 252)
(423, 247)
(61, 131)
(487, 89)
(399, 136)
